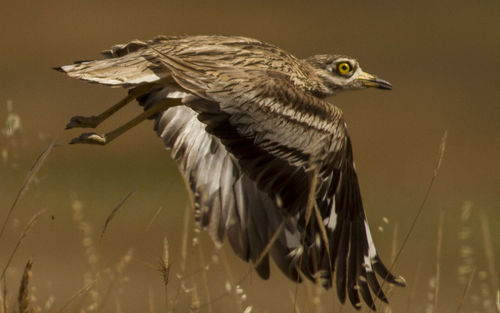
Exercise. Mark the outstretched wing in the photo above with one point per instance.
(265, 150)
(227, 202)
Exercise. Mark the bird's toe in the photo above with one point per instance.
(82, 122)
(90, 138)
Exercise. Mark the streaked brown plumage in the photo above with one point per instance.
(258, 147)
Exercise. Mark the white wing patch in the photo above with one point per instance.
(177, 95)
(331, 221)
(372, 253)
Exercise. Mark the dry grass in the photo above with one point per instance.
(165, 270)
(23, 299)
(113, 213)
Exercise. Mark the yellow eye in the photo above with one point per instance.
(344, 68)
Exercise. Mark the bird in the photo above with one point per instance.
(266, 158)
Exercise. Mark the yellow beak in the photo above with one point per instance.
(369, 80)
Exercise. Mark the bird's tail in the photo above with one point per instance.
(125, 65)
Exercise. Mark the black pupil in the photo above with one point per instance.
(345, 67)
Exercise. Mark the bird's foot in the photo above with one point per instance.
(83, 122)
(90, 138)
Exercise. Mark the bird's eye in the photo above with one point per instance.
(344, 68)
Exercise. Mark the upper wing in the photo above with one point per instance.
(277, 135)
(137, 62)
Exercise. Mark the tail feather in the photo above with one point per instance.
(116, 72)
(126, 65)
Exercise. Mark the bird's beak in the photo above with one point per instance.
(369, 80)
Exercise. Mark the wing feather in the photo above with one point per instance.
(237, 207)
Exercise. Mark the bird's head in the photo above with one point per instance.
(339, 73)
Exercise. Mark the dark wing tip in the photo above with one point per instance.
(263, 268)
(380, 269)
(59, 69)
(364, 290)
(375, 286)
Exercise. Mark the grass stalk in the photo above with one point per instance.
(413, 289)
(79, 293)
(442, 149)
(438, 259)
(165, 270)
(466, 291)
(488, 250)
(5, 303)
(184, 251)
(29, 178)
(23, 299)
(205, 278)
(25, 232)
(151, 221)
(114, 211)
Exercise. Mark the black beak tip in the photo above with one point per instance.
(385, 86)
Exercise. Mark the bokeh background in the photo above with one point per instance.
(442, 57)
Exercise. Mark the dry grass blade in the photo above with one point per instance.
(165, 270)
(413, 289)
(324, 235)
(394, 244)
(151, 300)
(309, 301)
(31, 174)
(184, 250)
(113, 213)
(310, 206)
(80, 292)
(296, 308)
(164, 262)
(498, 300)
(438, 258)
(488, 250)
(185, 238)
(30, 224)
(117, 278)
(195, 301)
(205, 278)
(311, 199)
(231, 288)
(442, 149)
(5, 303)
(154, 218)
(269, 244)
(466, 291)
(23, 296)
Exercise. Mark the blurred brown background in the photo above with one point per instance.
(443, 59)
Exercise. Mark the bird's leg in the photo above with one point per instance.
(94, 121)
(96, 139)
